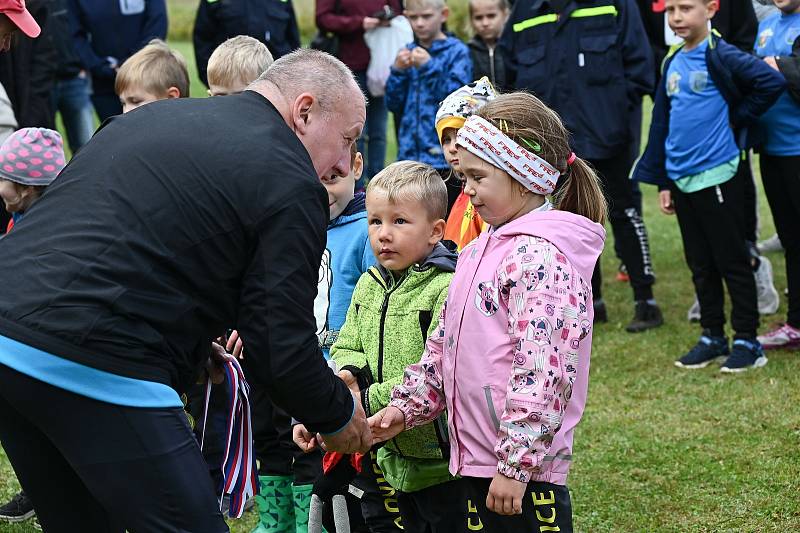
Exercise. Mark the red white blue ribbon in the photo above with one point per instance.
(239, 470)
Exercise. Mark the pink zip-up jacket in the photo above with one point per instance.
(510, 358)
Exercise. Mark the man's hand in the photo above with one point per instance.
(665, 202)
(214, 363)
(349, 380)
(370, 23)
(419, 56)
(234, 345)
(304, 439)
(355, 437)
(387, 423)
(505, 495)
(403, 59)
(771, 61)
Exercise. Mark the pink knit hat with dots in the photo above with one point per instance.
(32, 156)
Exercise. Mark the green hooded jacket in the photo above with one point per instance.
(385, 330)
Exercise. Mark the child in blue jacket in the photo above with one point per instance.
(709, 95)
(423, 74)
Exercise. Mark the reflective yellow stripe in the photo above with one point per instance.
(578, 13)
(594, 12)
(535, 21)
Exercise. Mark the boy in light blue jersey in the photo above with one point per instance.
(709, 95)
(777, 44)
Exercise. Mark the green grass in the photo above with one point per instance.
(663, 449)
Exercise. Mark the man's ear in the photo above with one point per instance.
(358, 166)
(437, 231)
(301, 112)
(174, 92)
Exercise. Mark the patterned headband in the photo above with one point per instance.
(481, 138)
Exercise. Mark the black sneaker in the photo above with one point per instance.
(707, 350)
(744, 356)
(18, 509)
(646, 316)
(600, 312)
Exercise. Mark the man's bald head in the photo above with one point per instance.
(311, 71)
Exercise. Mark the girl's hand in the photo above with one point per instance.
(304, 439)
(386, 424)
(665, 202)
(505, 495)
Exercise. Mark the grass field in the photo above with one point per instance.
(662, 449)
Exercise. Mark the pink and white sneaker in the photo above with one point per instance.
(784, 336)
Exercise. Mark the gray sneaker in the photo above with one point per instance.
(768, 300)
(693, 315)
(771, 245)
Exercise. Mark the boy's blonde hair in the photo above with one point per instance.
(238, 61)
(155, 68)
(415, 182)
(412, 5)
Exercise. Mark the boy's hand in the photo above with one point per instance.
(419, 56)
(665, 202)
(505, 495)
(771, 61)
(304, 439)
(387, 423)
(234, 345)
(349, 380)
(403, 59)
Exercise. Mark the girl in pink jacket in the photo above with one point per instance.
(510, 357)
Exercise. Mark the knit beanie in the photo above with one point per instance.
(462, 103)
(32, 156)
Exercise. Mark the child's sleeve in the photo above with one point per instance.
(760, 84)
(380, 394)
(396, 90)
(541, 317)
(348, 351)
(444, 74)
(420, 394)
(637, 54)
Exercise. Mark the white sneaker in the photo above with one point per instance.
(693, 315)
(773, 244)
(768, 300)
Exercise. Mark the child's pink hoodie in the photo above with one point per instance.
(510, 359)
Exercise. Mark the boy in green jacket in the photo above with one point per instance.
(395, 307)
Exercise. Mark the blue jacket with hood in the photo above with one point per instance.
(747, 84)
(416, 93)
(347, 255)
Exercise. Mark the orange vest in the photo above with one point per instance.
(464, 223)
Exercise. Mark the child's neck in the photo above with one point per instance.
(427, 44)
(695, 42)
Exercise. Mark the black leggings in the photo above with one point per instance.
(91, 466)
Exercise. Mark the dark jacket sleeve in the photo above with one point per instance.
(155, 22)
(328, 20)
(637, 55)
(743, 25)
(276, 316)
(759, 84)
(651, 166)
(790, 68)
(206, 37)
(83, 47)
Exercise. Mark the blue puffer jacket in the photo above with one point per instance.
(592, 64)
(416, 94)
(747, 84)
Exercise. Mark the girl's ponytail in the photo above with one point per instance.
(528, 121)
(580, 192)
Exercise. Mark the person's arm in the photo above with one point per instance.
(743, 24)
(637, 55)
(542, 371)
(155, 22)
(276, 315)
(760, 84)
(329, 20)
(81, 39)
(441, 76)
(789, 66)
(420, 394)
(205, 37)
(397, 90)
(378, 395)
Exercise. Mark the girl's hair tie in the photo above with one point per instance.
(571, 159)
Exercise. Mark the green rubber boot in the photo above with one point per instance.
(302, 503)
(275, 506)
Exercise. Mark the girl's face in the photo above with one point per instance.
(449, 147)
(17, 198)
(496, 196)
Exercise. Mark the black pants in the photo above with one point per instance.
(379, 501)
(630, 235)
(436, 509)
(91, 466)
(545, 507)
(712, 230)
(275, 450)
(749, 199)
(781, 177)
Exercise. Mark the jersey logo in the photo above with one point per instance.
(698, 80)
(764, 37)
(673, 84)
